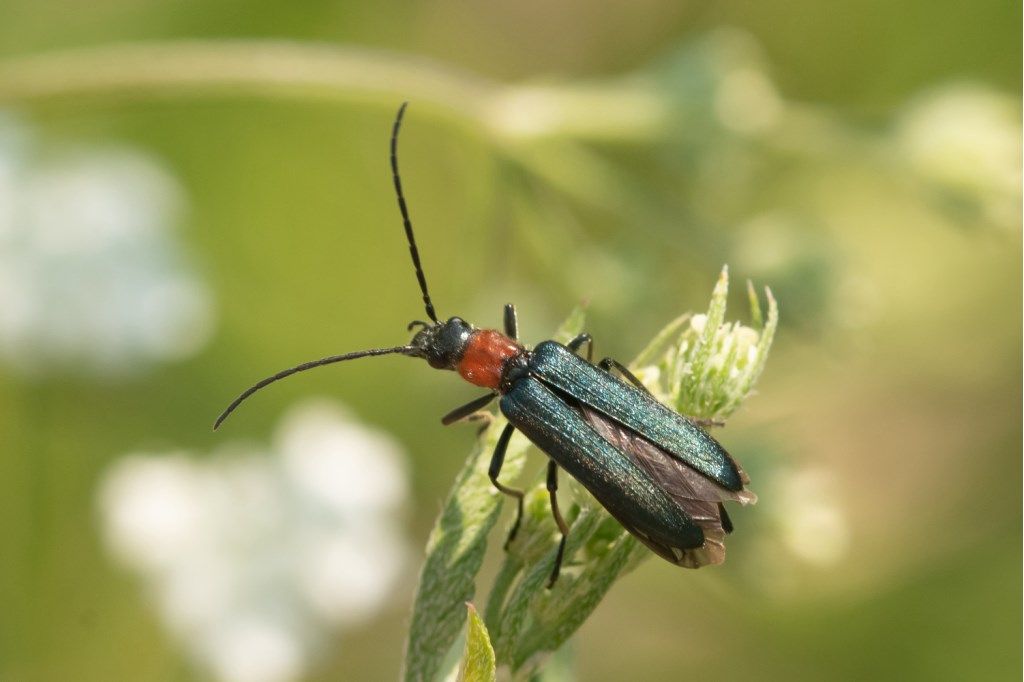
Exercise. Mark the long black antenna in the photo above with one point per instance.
(405, 350)
(413, 251)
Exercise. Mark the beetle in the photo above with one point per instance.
(660, 474)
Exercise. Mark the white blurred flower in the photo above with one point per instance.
(967, 140)
(321, 452)
(812, 524)
(91, 275)
(252, 556)
(807, 537)
(253, 650)
(153, 508)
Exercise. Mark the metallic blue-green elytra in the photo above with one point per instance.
(658, 473)
(557, 366)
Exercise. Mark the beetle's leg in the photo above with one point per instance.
(562, 525)
(726, 521)
(497, 459)
(469, 408)
(608, 363)
(511, 322)
(583, 338)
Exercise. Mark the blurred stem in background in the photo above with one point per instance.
(648, 107)
(634, 108)
(262, 68)
(707, 113)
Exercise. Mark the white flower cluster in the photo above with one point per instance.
(91, 275)
(251, 556)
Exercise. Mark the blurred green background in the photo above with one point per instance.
(861, 159)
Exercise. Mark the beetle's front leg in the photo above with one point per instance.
(511, 322)
(497, 459)
(468, 409)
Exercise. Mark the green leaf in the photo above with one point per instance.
(696, 382)
(764, 344)
(478, 659)
(532, 585)
(575, 599)
(756, 318)
(689, 377)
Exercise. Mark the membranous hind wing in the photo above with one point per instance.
(698, 496)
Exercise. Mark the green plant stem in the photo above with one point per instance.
(455, 552)
(503, 582)
(514, 614)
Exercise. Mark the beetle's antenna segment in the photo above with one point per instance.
(413, 251)
(405, 350)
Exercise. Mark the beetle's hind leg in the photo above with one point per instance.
(497, 459)
(724, 516)
(609, 363)
(562, 525)
(578, 342)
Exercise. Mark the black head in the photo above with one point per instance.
(442, 344)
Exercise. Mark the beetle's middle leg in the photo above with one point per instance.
(497, 459)
(562, 525)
